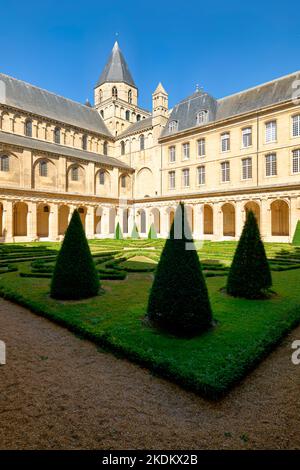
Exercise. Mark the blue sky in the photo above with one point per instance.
(223, 46)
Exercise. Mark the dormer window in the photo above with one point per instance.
(173, 126)
(202, 117)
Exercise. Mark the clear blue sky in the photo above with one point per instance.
(225, 46)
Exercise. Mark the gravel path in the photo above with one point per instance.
(60, 392)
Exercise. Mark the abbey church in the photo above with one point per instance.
(119, 163)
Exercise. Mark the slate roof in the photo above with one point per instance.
(57, 149)
(116, 69)
(267, 94)
(138, 126)
(26, 97)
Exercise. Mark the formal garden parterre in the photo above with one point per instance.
(210, 364)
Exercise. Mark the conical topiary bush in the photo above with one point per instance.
(135, 232)
(75, 276)
(178, 301)
(152, 232)
(249, 275)
(118, 232)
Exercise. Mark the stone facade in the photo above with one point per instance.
(117, 162)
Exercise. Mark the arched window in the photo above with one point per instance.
(75, 173)
(100, 96)
(127, 115)
(84, 142)
(105, 148)
(138, 117)
(28, 128)
(101, 177)
(142, 142)
(123, 181)
(202, 117)
(102, 113)
(122, 147)
(4, 163)
(173, 126)
(43, 168)
(114, 92)
(129, 96)
(57, 135)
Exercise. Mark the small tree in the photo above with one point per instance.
(296, 237)
(118, 232)
(249, 274)
(152, 232)
(178, 301)
(75, 276)
(135, 232)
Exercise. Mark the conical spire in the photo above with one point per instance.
(160, 89)
(116, 69)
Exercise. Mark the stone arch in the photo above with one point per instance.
(12, 176)
(76, 186)
(42, 222)
(170, 217)
(254, 207)
(208, 220)
(228, 210)
(125, 218)
(102, 186)
(189, 214)
(98, 213)
(44, 182)
(142, 221)
(63, 219)
(20, 213)
(280, 218)
(156, 219)
(82, 212)
(124, 184)
(145, 182)
(112, 220)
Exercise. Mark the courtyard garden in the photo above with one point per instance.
(210, 364)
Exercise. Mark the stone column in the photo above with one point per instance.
(89, 222)
(8, 221)
(265, 220)
(32, 221)
(239, 219)
(294, 216)
(105, 222)
(164, 222)
(198, 221)
(131, 213)
(218, 220)
(72, 207)
(53, 222)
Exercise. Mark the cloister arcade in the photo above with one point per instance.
(34, 220)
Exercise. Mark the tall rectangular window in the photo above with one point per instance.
(186, 177)
(201, 174)
(171, 179)
(271, 131)
(186, 151)
(225, 142)
(225, 170)
(123, 181)
(4, 163)
(296, 126)
(271, 164)
(75, 173)
(247, 168)
(43, 168)
(172, 154)
(296, 161)
(201, 147)
(101, 177)
(247, 137)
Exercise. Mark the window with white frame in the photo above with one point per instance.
(74, 173)
(271, 164)
(271, 131)
(201, 174)
(173, 125)
(247, 137)
(172, 154)
(225, 170)
(247, 168)
(4, 163)
(186, 151)
(43, 168)
(202, 117)
(225, 142)
(171, 179)
(186, 178)
(296, 126)
(201, 147)
(296, 161)
(101, 177)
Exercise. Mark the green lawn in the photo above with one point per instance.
(246, 330)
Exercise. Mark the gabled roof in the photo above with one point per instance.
(116, 69)
(32, 99)
(267, 94)
(57, 149)
(160, 89)
(138, 126)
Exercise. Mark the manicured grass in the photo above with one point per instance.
(210, 364)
